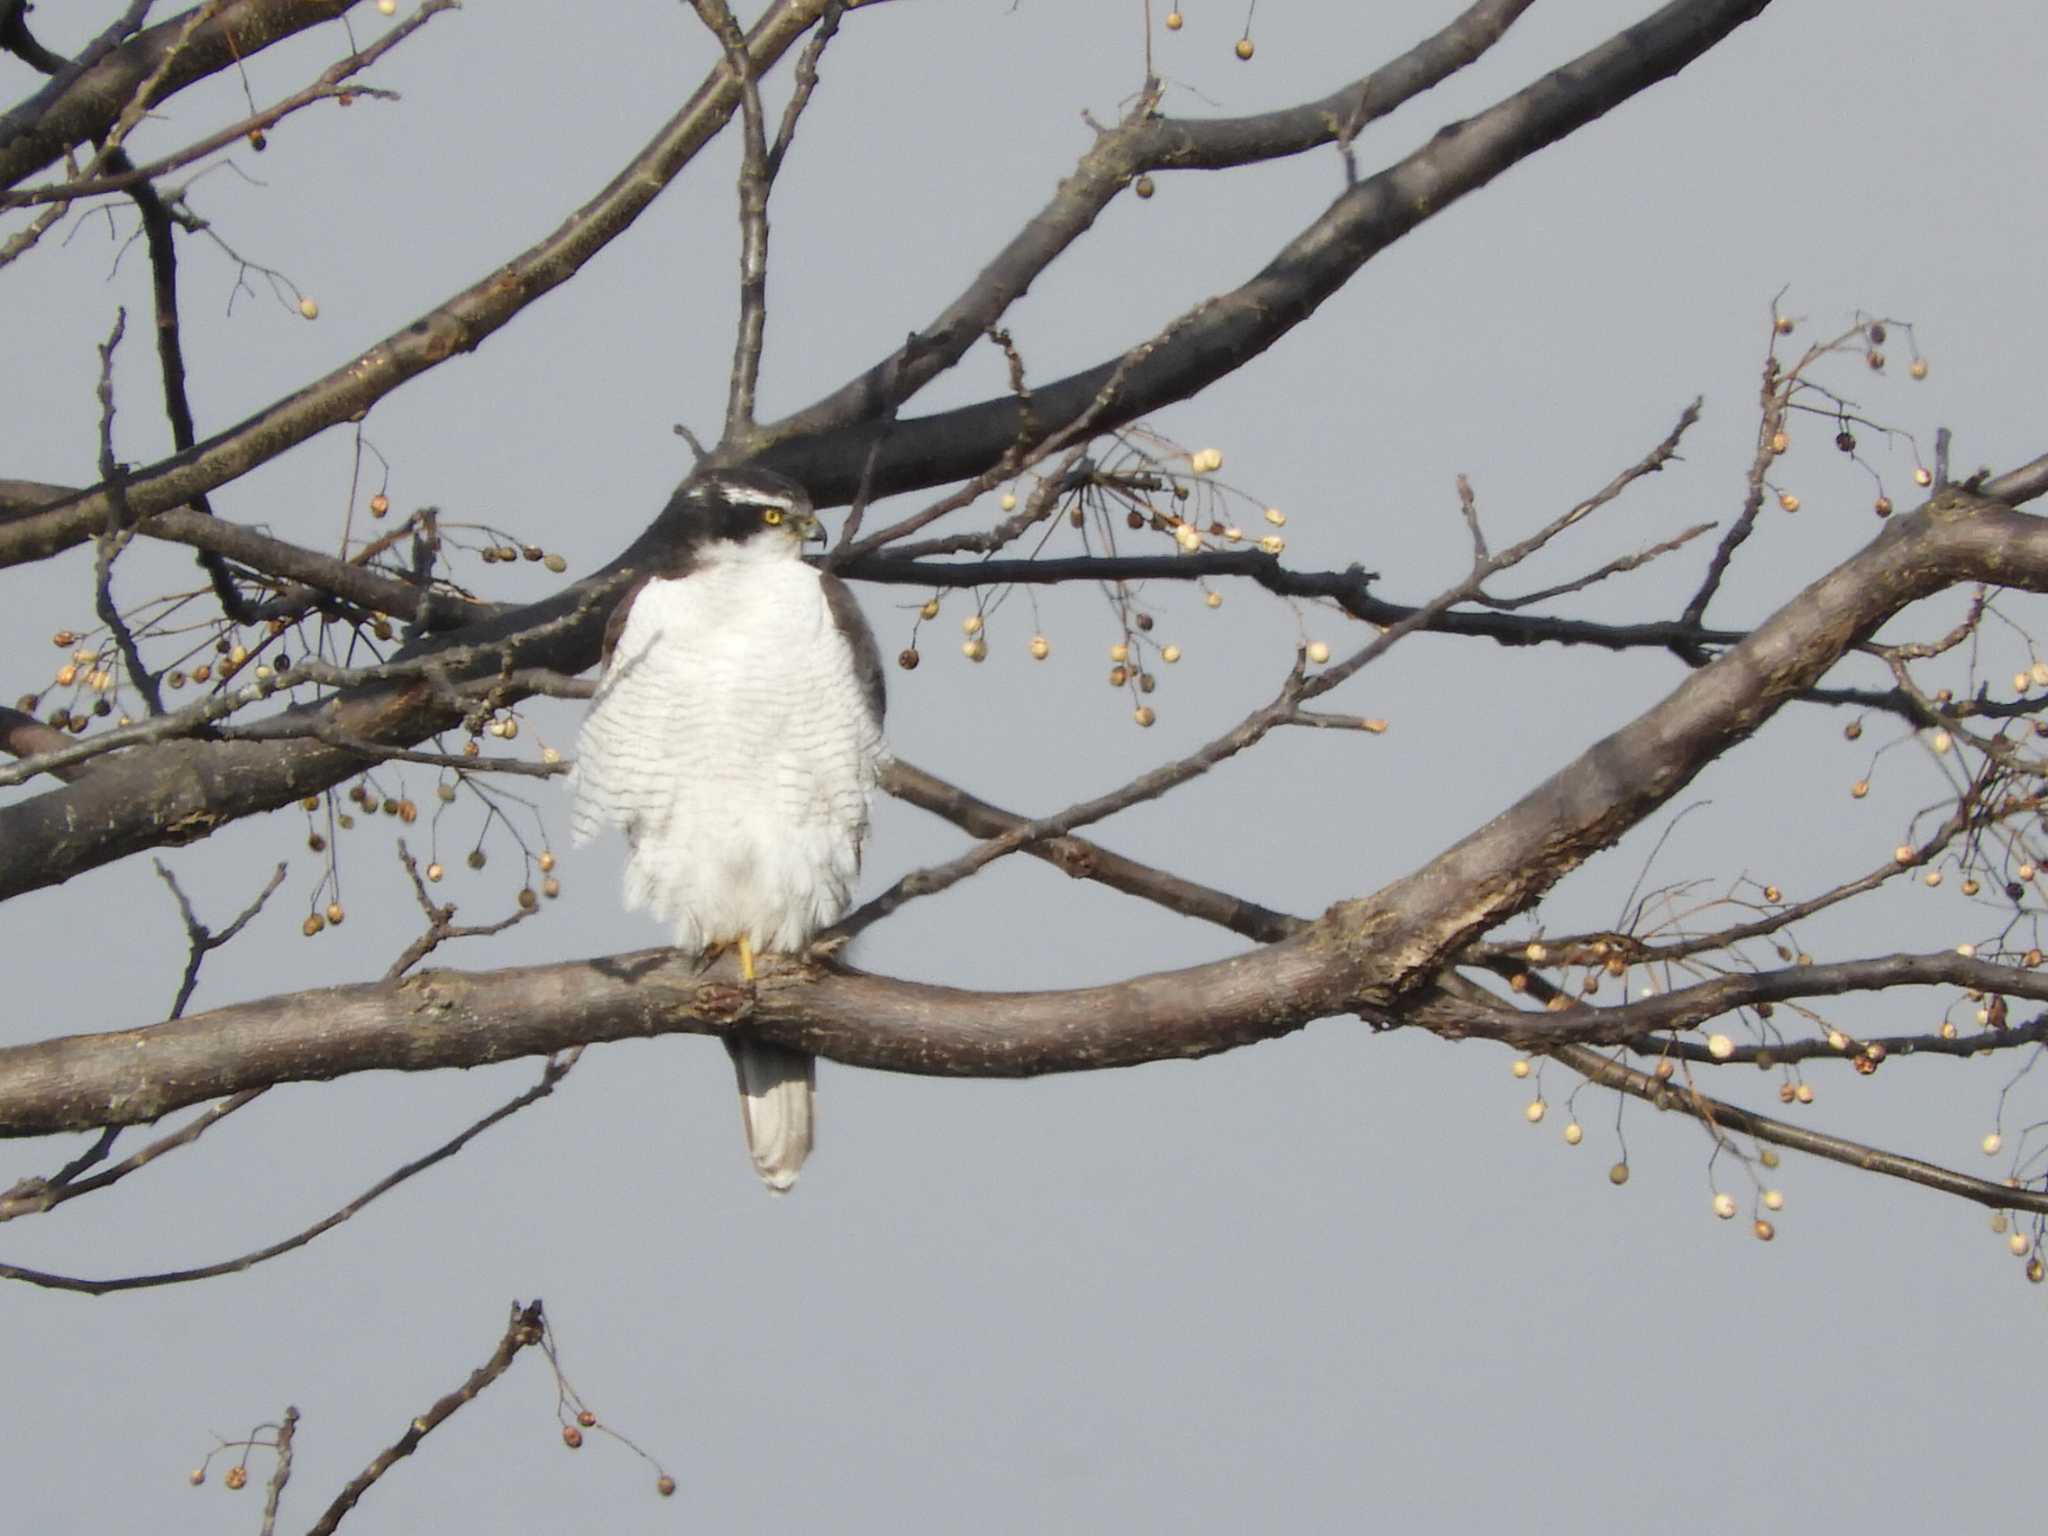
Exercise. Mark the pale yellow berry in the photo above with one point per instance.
(1837, 1041)
(1536, 954)
(1941, 741)
(1999, 1223)
(435, 872)
(1789, 502)
(1780, 442)
(1720, 1047)
(1948, 1029)
(975, 649)
(2025, 872)
(1120, 652)
(309, 308)
(1143, 715)
(1932, 877)
(1009, 501)
(1534, 1110)
(1214, 599)
(1272, 544)
(1618, 1174)
(1174, 21)
(1803, 1093)
(1768, 1157)
(1923, 478)
(1233, 534)
(971, 625)
(2019, 1244)
(930, 610)
(1318, 652)
(1521, 1066)
(1859, 789)
(387, 7)
(1774, 1200)
(1243, 48)
(1903, 853)
(1764, 1230)
(1040, 647)
(1187, 538)
(1967, 951)
(1918, 368)
(2039, 673)
(1170, 655)
(1206, 461)
(1724, 1205)
(550, 755)
(1991, 1144)
(1276, 517)
(1574, 1134)
(2020, 680)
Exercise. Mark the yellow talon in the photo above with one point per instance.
(746, 960)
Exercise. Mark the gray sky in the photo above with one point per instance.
(1329, 1278)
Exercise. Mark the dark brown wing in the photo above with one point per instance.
(867, 657)
(616, 624)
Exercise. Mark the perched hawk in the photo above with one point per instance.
(736, 737)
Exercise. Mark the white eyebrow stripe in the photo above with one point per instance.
(748, 496)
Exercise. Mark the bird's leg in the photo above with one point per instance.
(746, 959)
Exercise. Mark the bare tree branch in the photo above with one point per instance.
(1083, 860)
(824, 446)
(127, 177)
(1591, 1065)
(460, 324)
(1142, 141)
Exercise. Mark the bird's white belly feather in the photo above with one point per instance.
(731, 740)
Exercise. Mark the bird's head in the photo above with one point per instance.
(753, 508)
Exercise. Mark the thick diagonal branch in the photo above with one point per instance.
(826, 445)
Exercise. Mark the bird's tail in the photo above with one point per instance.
(778, 1095)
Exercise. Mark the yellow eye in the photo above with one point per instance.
(772, 516)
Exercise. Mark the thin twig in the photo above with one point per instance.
(201, 940)
(1595, 1067)
(755, 179)
(557, 1068)
(126, 176)
(805, 82)
(527, 1328)
(440, 922)
(114, 539)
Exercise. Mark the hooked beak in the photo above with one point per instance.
(807, 528)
